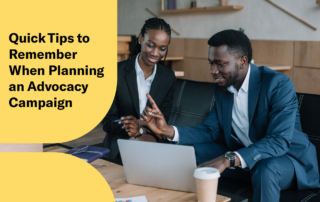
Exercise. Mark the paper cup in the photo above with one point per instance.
(206, 183)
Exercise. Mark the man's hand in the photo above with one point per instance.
(131, 125)
(156, 121)
(220, 163)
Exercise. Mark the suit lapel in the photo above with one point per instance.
(227, 105)
(158, 79)
(254, 91)
(131, 79)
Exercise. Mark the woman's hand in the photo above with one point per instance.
(131, 125)
(141, 122)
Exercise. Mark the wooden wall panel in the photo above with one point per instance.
(123, 46)
(21, 147)
(176, 47)
(307, 80)
(178, 65)
(124, 38)
(289, 73)
(196, 48)
(307, 54)
(273, 52)
(197, 70)
(303, 54)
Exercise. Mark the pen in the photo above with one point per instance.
(116, 121)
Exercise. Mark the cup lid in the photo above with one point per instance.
(206, 173)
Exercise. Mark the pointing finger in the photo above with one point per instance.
(159, 116)
(152, 102)
(148, 109)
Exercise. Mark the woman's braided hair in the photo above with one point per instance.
(152, 23)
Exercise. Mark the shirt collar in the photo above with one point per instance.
(139, 70)
(245, 84)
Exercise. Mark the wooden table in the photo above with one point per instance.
(115, 176)
(21, 147)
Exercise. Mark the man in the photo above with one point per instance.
(256, 109)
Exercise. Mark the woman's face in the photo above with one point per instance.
(154, 46)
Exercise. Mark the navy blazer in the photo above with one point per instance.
(126, 100)
(274, 125)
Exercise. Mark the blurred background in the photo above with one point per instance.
(285, 36)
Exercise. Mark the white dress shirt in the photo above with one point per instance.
(144, 85)
(240, 115)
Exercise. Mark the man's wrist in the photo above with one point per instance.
(227, 163)
(237, 161)
(168, 132)
(231, 156)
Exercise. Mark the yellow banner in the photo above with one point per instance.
(58, 68)
(50, 177)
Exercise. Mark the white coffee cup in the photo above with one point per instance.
(206, 183)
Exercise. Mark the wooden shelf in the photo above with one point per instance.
(188, 10)
(179, 73)
(124, 38)
(275, 66)
(318, 1)
(123, 52)
(173, 58)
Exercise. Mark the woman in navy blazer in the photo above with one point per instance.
(137, 76)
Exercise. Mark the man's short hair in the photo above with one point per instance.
(236, 41)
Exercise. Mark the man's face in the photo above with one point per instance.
(224, 66)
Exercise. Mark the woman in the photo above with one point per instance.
(137, 76)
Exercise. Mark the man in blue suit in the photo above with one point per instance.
(256, 109)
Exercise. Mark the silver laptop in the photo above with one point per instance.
(166, 166)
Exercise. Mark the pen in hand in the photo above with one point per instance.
(118, 120)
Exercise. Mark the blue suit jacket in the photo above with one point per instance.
(274, 125)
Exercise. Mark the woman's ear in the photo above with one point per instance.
(140, 38)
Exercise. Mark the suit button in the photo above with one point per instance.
(256, 157)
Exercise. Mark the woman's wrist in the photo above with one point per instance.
(138, 133)
(145, 130)
(142, 123)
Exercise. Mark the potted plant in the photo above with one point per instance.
(223, 2)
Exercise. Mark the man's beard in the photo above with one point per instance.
(233, 76)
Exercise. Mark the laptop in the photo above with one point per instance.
(165, 166)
